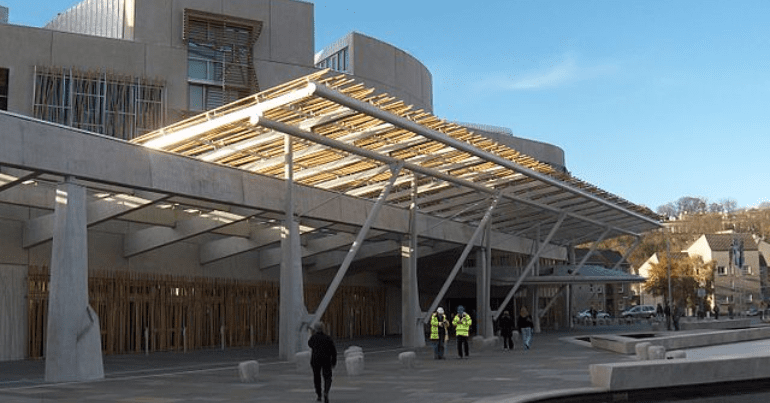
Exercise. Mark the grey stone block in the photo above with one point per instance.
(407, 359)
(353, 350)
(248, 371)
(302, 359)
(354, 364)
(676, 354)
(656, 352)
(641, 351)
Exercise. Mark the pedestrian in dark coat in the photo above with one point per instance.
(322, 360)
(506, 330)
(525, 327)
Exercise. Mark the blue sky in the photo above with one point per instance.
(650, 100)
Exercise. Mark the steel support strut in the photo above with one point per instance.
(530, 265)
(479, 229)
(395, 170)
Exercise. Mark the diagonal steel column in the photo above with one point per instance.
(481, 227)
(395, 170)
(553, 300)
(530, 265)
(591, 251)
(628, 253)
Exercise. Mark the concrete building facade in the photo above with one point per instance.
(245, 222)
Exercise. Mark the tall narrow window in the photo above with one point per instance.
(220, 66)
(112, 104)
(4, 89)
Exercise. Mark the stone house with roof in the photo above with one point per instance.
(739, 276)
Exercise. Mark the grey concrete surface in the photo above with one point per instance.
(557, 361)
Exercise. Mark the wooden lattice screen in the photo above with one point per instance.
(180, 313)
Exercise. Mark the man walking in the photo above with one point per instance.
(322, 360)
(462, 323)
(438, 329)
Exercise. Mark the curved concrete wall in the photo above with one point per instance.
(387, 68)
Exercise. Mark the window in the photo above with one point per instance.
(219, 58)
(4, 89)
(116, 105)
(721, 270)
(337, 61)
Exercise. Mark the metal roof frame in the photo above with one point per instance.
(346, 137)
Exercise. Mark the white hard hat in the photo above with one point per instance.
(440, 310)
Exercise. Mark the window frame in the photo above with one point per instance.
(5, 76)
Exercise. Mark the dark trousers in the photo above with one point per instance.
(327, 374)
(508, 341)
(438, 348)
(462, 345)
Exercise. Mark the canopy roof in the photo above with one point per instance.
(347, 139)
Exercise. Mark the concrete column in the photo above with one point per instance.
(73, 340)
(292, 334)
(412, 334)
(484, 325)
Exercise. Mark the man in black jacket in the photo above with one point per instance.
(323, 358)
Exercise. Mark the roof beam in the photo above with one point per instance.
(374, 111)
(40, 229)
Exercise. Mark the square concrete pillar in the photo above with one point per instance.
(73, 340)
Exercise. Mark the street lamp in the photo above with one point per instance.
(668, 273)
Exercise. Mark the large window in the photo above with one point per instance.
(3, 89)
(219, 58)
(116, 105)
(338, 61)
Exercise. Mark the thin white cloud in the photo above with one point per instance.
(553, 77)
(562, 73)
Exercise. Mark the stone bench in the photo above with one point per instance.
(667, 373)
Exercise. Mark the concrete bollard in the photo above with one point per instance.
(353, 350)
(641, 351)
(656, 352)
(676, 354)
(517, 339)
(302, 359)
(354, 360)
(491, 342)
(248, 371)
(407, 359)
(477, 342)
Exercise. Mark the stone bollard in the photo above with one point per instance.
(517, 339)
(491, 342)
(676, 354)
(354, 360)
(248, 371)
(656, 352)
(302, 360)
(407, 359)
(477, 342)
(641, 351)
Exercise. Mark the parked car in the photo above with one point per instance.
(753, 311)
(586, 313)
(639, 311)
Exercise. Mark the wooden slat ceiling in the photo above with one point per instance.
(530, 205)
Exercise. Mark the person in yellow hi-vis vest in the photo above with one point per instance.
(438, 332)
(462, 323)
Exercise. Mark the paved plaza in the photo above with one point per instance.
(557, 360)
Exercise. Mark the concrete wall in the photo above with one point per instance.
(13, 312)
(391, 70)
(544, 152)
(284, 50)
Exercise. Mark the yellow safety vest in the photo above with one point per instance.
(434, 325)
(463, 325)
